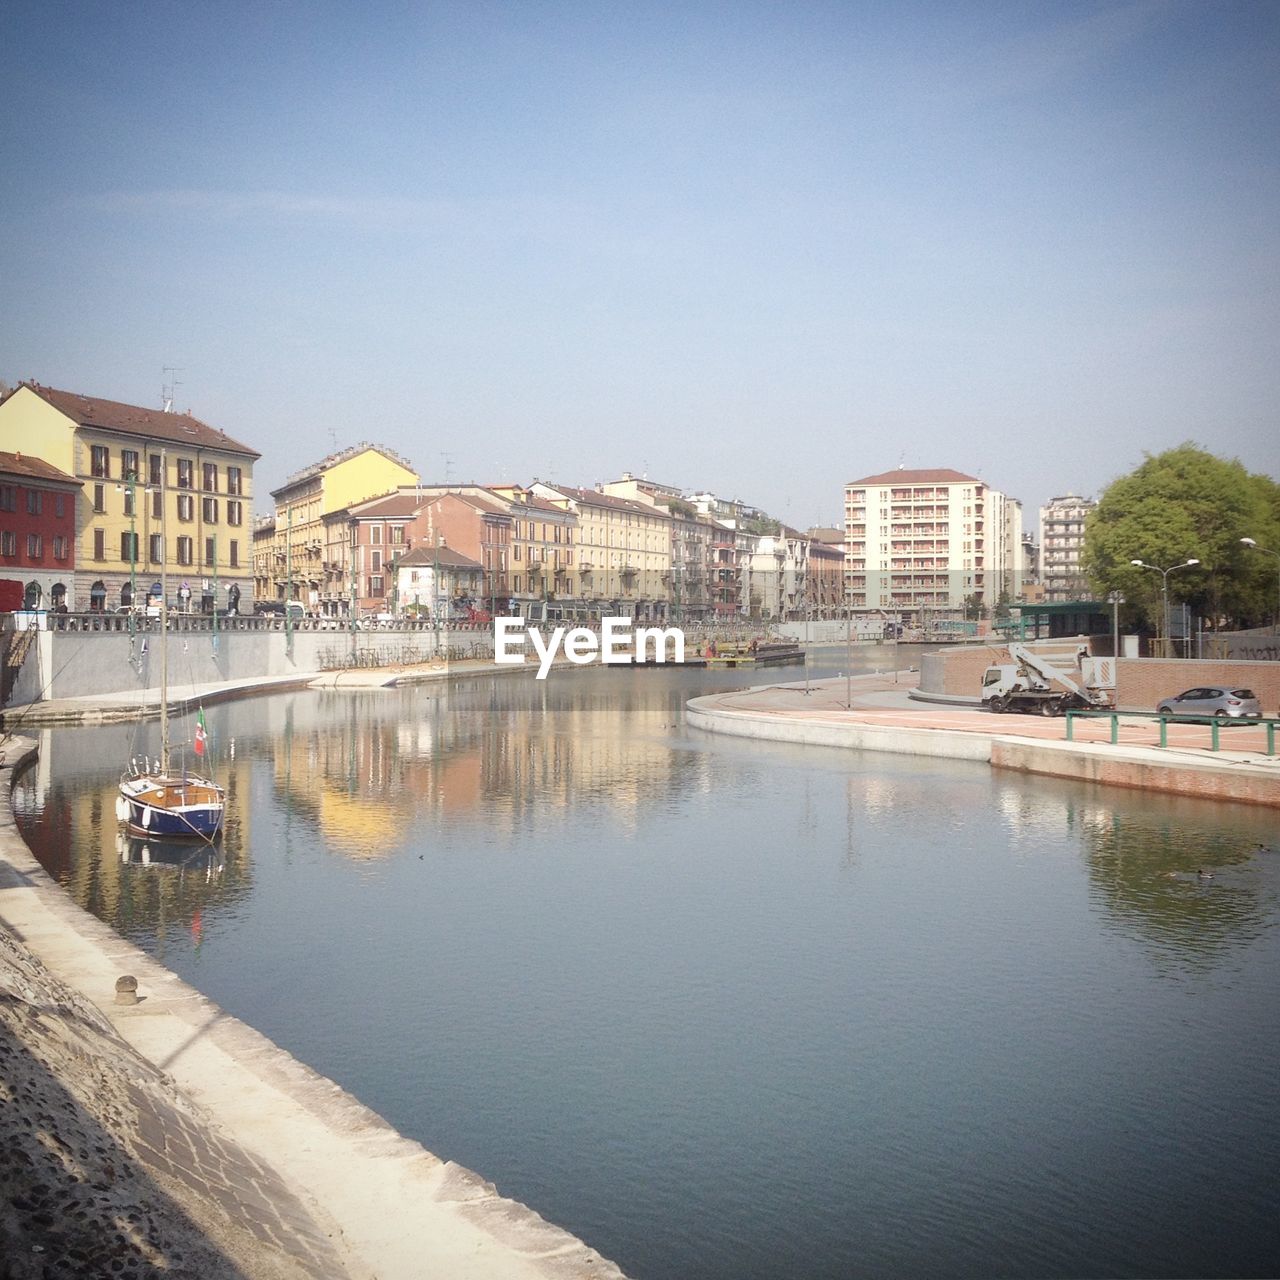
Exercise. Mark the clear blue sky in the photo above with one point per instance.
(759, 248)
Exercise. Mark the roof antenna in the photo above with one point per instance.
(169, 386)
(448, 467)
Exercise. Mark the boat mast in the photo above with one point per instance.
(164, 623)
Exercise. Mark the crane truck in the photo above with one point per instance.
(1031, 683)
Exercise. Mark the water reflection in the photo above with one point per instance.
(1189, 884)
(137, 885)
(361, 768)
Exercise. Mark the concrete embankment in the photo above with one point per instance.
(873, 713)
(166, 1137)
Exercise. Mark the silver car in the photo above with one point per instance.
(1226, 704)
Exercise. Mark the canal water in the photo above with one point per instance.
(730, 1009)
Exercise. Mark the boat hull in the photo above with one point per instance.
(161, 806)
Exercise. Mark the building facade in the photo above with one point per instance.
(440, 583)
(930, 541)
(306, 560)
(160, 494)
(38, 531)
(1062, 522)
(623, 564)
(478, 527)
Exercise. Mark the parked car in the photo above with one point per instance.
(275, 607)
(1226, 704)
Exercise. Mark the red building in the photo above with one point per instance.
(38, 531)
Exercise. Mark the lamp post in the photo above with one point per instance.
(131, 480)
(1249, 542)
(1164, 586)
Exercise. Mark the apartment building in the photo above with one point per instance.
(623, 552)
(1062, 523)
(928, 541)
(477, 527)
(686, 581)
(378, 538)
(543, 538)
(38, 530)
(307, 561)
(159, 492)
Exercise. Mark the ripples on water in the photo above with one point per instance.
(729, 1009)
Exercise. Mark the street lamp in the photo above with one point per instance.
(1164, 586)
(1249, 542)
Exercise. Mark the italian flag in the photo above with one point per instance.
(201, 736)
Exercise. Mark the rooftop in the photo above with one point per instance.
(132, 419)
(938, 475)
(15, 464)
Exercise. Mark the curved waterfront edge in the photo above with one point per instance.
(388, 1207)
(770, 712)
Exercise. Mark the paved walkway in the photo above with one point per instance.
(877, 699)
(875, 713)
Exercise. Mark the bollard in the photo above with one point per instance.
(127, 989)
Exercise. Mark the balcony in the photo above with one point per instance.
(628, 571)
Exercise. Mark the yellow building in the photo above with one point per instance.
(306, 564)
(203, 534)
(624, 552)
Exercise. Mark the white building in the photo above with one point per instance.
(1061, 545)
(930, 540)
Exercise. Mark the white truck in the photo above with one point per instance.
(1031, 683)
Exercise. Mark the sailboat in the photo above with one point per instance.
(155, 799)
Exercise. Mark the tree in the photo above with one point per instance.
(1187, 504)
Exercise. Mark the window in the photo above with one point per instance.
(154, 474)
(155, 552)
(99, 460)
(99, 499)
(211, 553)
(375, 534)
(234, 554)
(128, 546)
(235, 513)
(8, 498)
(157, 505)
(129, 464)
(209, 510)
(209, 477)
(375, 585)
(60, 546)
(128, 501)
(35, 502)
(233, 481)
(186, 550)
(184, 473)
(186, 507)
(515, 552)
(99, 544)
(516, 584)
(59, 505)
(397, 535)
(8, 543)
(375, 561)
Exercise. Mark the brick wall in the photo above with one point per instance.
(1142, 682)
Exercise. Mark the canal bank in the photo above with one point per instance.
(877, 713)
(165, 1135)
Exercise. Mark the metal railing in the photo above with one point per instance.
(1215, 723)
